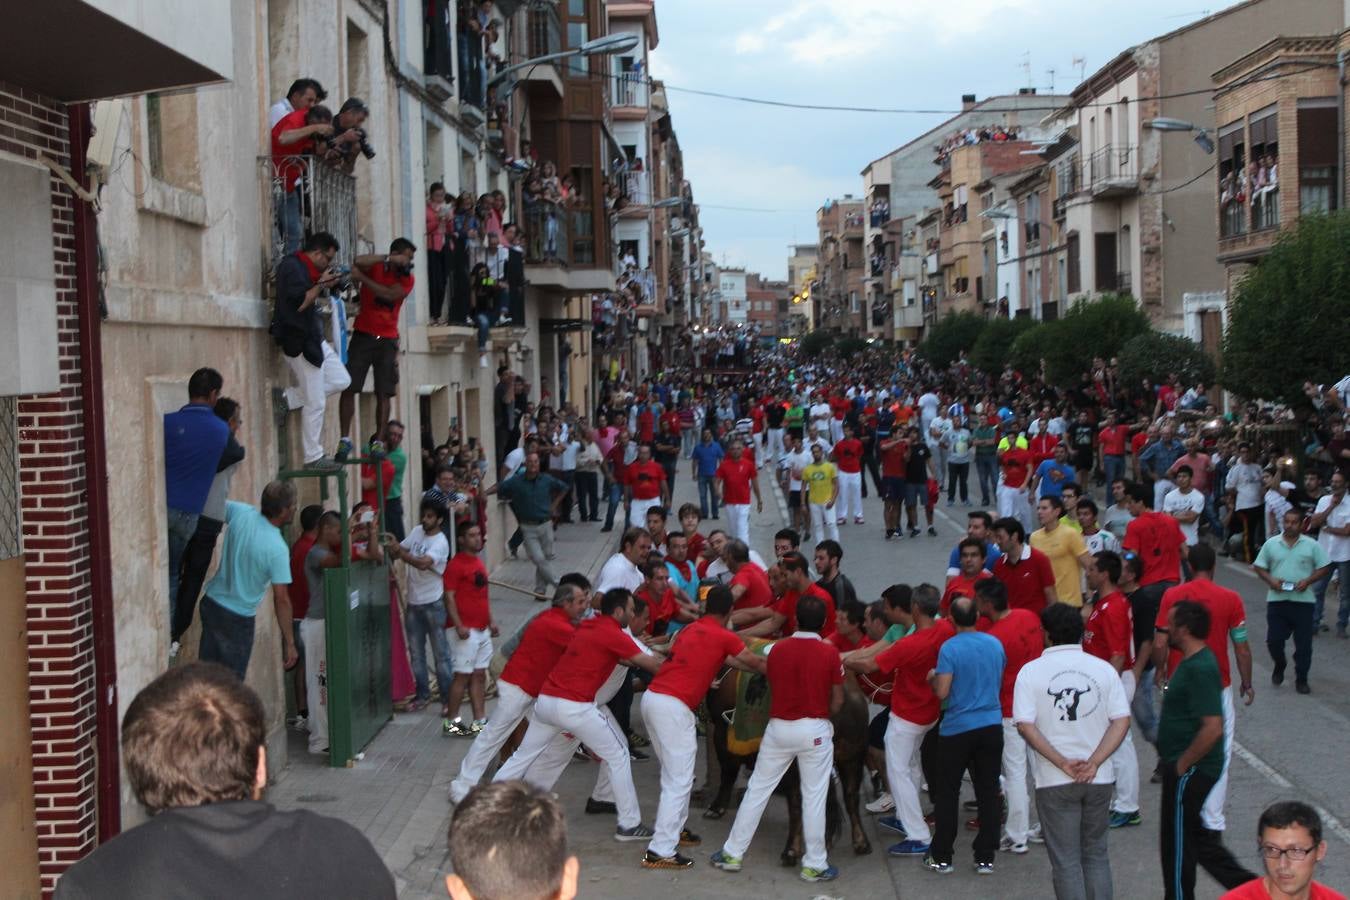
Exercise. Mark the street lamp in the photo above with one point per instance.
(1202, 138)
(611, 44)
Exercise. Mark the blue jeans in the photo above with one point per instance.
(707, 495)
(1113, 467)
(1320, 594)
(227, 638)
(292, 224)
(615, 498)
(485, 322)
(986, 467)
(424, 621)
(1143, 708)
(688, 438)
(182, 526)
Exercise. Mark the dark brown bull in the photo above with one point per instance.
(850, 750)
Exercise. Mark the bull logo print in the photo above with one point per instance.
(1076, 695)
(1067, 700)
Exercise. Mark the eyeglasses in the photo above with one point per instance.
(1297, 854)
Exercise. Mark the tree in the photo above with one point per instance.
(1154, 355)
(954, 333)
(1289, 321)
(1095, 328)
(1031, 346)
(993, 348)
(851, 347)
(815, 342)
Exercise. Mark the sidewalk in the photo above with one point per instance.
(397, 794)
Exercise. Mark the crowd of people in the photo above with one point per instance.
(968, 136)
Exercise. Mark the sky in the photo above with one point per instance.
(759, 173)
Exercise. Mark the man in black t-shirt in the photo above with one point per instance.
(207, 832)
(918, 469)
(1081, 438)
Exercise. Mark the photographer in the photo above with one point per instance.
(293, 137)
(302, 279)
(385, 282)
(349, 136)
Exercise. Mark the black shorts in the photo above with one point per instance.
(876, 729)
(892, 489)
(794, 499)
(795, 431)
(365, 351)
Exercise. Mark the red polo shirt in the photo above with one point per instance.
(589, 660)
(961, 586)
(1109, 630)
(290, 170)
(1112, 439)
(802, 672)
(1157, 538)
(840, 407)
(543, 643)
(757, 590)
(616, 464)
(848, 455)
(299, 583)
(376, 317)
(893, 460)
(467, 578)
(1017, 465)
(1042, 447)
(1020, 634)
(1026, 581)
(696, 656)
(645, 479)
(1225, 614)
(646, 425)
(672, 419)
(912, 658)
(843, 645)
(736, 477)
(787, 607)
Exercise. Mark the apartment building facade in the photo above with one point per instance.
(837, 290)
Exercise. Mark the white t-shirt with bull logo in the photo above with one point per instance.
(1071, 697)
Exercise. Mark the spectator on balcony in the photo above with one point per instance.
(439, 242)
(385, 282)
(484, 307)
(304, 93)
(293, 138)
(349, 134)
(496, 257)
(514, 240)
(302, 279)
(467, 230)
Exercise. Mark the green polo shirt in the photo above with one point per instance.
(400, 461)
(531, 499)
(794, 416)
(1286, 563)
(896, 632)
(1193, 692)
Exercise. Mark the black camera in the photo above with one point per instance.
(344, 279)
(362, 144)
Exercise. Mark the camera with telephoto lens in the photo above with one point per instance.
(344, 279)
(362, 144)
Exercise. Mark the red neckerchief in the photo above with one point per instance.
(314, 271)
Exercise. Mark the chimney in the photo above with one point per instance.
(967, 102)
(1026, 91)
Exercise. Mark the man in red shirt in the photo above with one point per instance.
(847, 456)
(914, 711)
(894, 458)
(1025, 571)
(616, 475)
(1013, 495)
(1042, 445)
(1156, 540)
(749, 585)
(541, 643)
(839, 407)
(697, 655)
(1111, 441)
(1227, 622)
(1019, 631)
(807, 683)
(665, 606)
(646, 486)
(385, 282)
(567, 703)
(849, 627)
(471, 628)
(962, 584)
(782, 617)
(299, 592)
(1109, 634)
(293, 137)
(735, 479)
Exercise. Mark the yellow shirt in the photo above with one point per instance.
(1064, 546)
(819, 481)
(1005, 444)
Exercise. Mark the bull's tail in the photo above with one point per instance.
(833, 817)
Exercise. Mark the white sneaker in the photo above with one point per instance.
(1008, 846)
(1034, 835)
(884, 803)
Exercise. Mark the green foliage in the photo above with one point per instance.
(1154, 356)
(1289, 320)
(1098, 327)
(993, 347)
(850, 347)
(815, 342)
(1031, 346)
(949, 336)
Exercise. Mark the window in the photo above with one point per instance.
(1317, 173)
(1262, 171)
(1232, 152)
(171, 139)
(578, 33)
(1073, 278)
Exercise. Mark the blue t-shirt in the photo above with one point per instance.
(1053, 477)
(193, 440)
(991, 555)
(975, 661)
(254, 558)
(708, 456)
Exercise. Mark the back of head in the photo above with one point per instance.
(193, 736)
(1202, 558)
(810, 613)
(898, 596)
(203, 383)
(508, 841)
(1063, 624)
(737, 551)
(927, 600)
(963, 612)
(993, 592)
(614, 599)
(719, 600)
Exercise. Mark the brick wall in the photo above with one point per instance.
(56, 540)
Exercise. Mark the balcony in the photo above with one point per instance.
(1111, 171)
(1124, 282)
(472, 76)
(1266, 209)
(560, 250)
(629, 92)
(543, 37)
(327, 203)
(636, 189)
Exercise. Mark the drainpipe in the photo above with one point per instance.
(107, 783)
(1340, 124)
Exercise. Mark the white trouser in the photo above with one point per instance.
(904, 774)
(601, 734)
(314, 385)
(773, 446)
(823, 524)
(511, 707)
(670, 725)
(850, 495)
(738, 521)
(1211, 814)
(552, 761)
(1125, 761)
(1015, 783)
(811, 743)
(836, 430)
(312, 633)
(637, 511)
(1013, 502)
(1160, 489)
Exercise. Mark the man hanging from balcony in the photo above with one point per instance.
(385, 282)
(293, 139)
(302, 279)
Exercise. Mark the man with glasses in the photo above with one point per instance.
(1289, 838)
